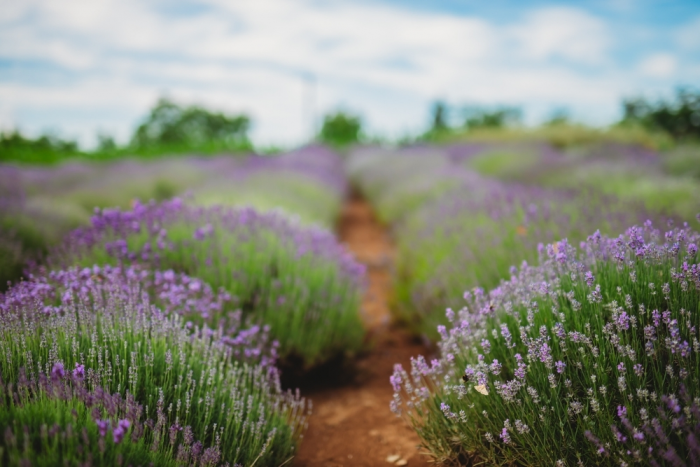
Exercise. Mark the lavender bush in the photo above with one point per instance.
(308, 183)
(589, 358)
(455, 228)
(298, 280)
(629, 172)
(93, 372)
(39, 205)
(474, 234)
(399, 182)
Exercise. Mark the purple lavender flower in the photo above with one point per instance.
(118, 434)
(395, 380)
(505, 436)
(57, 371)
(621, 411)
(239, 239)
(102, 426)
(638, 369)
(560, 366)
(623, 321)
(79, 371)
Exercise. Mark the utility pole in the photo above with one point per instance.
(308, 117)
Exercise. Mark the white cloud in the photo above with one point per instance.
(660, 65)
(387, 62)
(566, 33)
(688, 36)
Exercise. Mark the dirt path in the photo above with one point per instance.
(352, 425)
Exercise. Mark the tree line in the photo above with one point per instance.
(170, 128)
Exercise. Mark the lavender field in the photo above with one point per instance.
(151, 310)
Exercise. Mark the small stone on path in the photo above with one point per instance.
(401, 462)
(393, 458)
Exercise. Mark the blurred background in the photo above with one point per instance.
(87, 74)
(596, 96)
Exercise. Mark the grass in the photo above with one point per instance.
(564, 135)
(663, 183)
(294, 194)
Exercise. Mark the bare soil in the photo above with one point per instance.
(351, 424)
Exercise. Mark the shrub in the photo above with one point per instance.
(171, 127)
(15, 147)
(295, 279)
(596, 347)
(680, 117)
(94, 372)
(340, 128)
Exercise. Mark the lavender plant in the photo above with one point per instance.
(629, 172)
(308, 183)
(455, 228)
(596, 348)
(298, 280)
(399, 182)
(477, 232)
(94, 373)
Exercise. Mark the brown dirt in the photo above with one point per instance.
(352, 425)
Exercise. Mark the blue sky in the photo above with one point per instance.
(79, 67)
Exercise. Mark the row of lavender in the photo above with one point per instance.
(592, 357)
(456, 229)
(40, 205)
(595, 347)
(153, 335)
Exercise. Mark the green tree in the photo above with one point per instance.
(559, 116)
(680, 116)
(439, 118)
(479, 117)
(15, 147)
(170, 125)
(341, 128)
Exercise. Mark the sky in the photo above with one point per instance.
(82, 67)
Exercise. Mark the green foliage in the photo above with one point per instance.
(170, 126)
(664, 187)
(500, 117)
(61, 431)
(168, 129)
(562, 136)
(560, 116)
(296, 195)
(341, 129)
(683, 161)
(21, 242)
(14, 147)
(439, 119)
(504, 163)
(680, 116)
